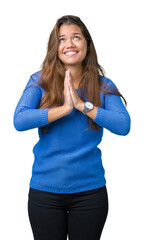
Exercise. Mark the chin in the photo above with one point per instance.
(72, 62)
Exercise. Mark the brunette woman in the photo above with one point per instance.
(70, 101)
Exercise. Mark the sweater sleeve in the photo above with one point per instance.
(114, 116)
(27, 115)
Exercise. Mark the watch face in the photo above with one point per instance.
(89, 105)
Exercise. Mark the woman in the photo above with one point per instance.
(70, 101)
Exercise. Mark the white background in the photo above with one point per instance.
(116, 28)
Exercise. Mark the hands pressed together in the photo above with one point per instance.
(71, 96)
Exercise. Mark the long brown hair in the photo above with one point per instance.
(53, 72)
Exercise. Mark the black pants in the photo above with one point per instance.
(80, 216)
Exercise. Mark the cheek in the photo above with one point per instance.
(84, 48)
(59, 50)
(84, 51)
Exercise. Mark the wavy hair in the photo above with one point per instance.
(52, 72)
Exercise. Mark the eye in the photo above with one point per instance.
(62, 40)
(77, 37)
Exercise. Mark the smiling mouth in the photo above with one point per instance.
(69, 54)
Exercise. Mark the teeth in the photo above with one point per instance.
(70, 53)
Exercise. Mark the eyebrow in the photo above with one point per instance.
(72, 33)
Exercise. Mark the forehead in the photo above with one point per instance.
(69, 29)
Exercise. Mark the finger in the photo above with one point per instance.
(69, 76)
(68, 73)
(65, 78)
(67, 81)
(71, 83)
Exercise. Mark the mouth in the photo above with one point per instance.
(71, 53)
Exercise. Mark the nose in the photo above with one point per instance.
(70, 43)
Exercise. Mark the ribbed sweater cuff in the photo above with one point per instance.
(99, 116)
(44, 116)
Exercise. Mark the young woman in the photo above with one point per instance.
(70, 101)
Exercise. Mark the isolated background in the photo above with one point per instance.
(116, 28)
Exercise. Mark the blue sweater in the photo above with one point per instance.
(67, 158)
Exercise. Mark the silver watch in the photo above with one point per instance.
(87, 107)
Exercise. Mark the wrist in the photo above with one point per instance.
(67, 109)
(80, 106)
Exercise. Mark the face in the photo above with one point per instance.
(72, 47)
